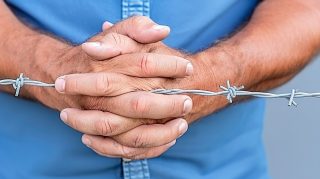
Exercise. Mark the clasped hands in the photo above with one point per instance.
(108, 90)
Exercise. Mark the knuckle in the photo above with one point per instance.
(140, 105)
(140, 140)
(104, 127)
(71, 85)
(116, 38)
(103, 83)
(146, 66)
(176, 67)
(138, 21)
(174, 107)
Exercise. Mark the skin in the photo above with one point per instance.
(52, 58)
(257, 62)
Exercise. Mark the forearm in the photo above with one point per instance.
(23, 50)
(11, 33)
(279, 40)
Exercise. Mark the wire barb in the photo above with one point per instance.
(291, 101)
(19, 84)
(231, 91)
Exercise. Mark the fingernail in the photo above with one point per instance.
(92, 44)
(161, 27)
(187, 106)
(86, 140)
(60, 84)
(106, 25)
(183, 127)
(189, 70)
(64, 116)
(172, 143)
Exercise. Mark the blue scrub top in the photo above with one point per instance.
(34, 143)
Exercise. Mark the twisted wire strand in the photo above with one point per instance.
(230, 92)
(18, 83)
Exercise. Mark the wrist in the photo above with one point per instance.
(48, 52)
(53, 59)
(15, 49)
(212, 69)
(232, 61)
(30, 53)
(218, 65)
(43, 66)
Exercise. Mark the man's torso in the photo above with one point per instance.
(36, 144)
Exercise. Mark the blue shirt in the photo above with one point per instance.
(34, 143)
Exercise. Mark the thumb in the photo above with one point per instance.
(140, 28)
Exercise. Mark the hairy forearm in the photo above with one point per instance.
(277, 43)
(11, 32)
(23, 50)
(279, 40)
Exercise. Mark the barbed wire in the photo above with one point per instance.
(18, 83)
(230, 92)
